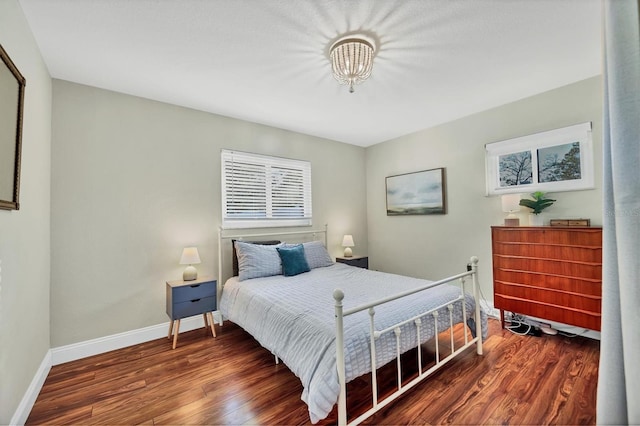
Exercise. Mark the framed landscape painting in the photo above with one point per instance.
(418, 193)
(552, 161)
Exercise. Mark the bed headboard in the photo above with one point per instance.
(226, 238)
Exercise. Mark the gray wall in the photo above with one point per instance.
(134, 181)
(437, 246)
(24, 234)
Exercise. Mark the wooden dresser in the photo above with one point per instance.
(549, 272)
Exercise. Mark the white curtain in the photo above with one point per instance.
(619, 374)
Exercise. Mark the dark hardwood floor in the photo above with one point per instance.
(231, 380)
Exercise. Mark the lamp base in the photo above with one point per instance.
(348, 252)
(190, 273)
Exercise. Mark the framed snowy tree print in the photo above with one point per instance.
(552, 161)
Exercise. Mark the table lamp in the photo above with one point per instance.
(189, 257)
(511, 204)
(347, 243)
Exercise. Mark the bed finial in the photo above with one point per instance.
(474, 260)
(338, 295)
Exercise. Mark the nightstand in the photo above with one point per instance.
(357, 261)
(189, 298)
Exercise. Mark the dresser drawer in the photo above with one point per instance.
(548, 266)
(592, 287)
(193, 307)
(581, 302)
(553, 312)
(569, 236)
(194, 291)
(550, 251)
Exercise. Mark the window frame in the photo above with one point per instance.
(266, 215)
(580, 134)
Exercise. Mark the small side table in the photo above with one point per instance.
(357, 261)
(189, 298)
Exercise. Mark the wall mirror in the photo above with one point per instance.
(11, 105)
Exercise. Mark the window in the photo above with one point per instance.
(552, 161)
(261, 191)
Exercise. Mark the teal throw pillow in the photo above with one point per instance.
(293, 260)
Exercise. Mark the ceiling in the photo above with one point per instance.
(267, 61)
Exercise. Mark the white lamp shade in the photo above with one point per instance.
(347, 241)
(190, 256)
(511, 203)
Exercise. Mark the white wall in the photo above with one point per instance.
(24, 234)
(440, 245)
(134, 181)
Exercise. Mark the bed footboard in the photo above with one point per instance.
(341, 313)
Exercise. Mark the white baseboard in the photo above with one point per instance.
(26, 404)
(80, 350)
(568, 329)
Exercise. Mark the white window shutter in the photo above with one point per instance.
(262, 191)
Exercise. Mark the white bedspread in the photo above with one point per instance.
(294, 318)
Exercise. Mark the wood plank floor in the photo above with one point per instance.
(231, 380)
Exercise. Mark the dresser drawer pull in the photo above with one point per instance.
(195, 286)
(195, 300)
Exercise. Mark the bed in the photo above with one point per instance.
(328, 323)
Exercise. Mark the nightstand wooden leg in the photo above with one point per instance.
(175, 336)
(213, 329)
(170, 329)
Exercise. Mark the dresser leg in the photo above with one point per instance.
(502, 318)
(175, 335)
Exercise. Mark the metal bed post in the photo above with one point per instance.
(219, 283)
(326, 237)
(338, 295)
(374, 362)
(476, 295)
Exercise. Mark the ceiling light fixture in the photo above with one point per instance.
(352, 60)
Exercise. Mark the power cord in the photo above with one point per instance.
(518, 325)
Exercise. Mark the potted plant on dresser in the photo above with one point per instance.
(537, 205)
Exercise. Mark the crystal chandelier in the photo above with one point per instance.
(352, 60)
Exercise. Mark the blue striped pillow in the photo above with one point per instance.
(255, 260)
(317, 255)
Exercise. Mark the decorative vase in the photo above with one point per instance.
(535, 220)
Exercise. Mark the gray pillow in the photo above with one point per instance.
(235, 255)
(255, 260)
(316, 254)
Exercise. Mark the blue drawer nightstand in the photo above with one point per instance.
(189, 298)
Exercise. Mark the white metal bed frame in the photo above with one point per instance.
(341, 313)
(339, 295)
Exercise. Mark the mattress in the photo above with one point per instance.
(294, 318)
